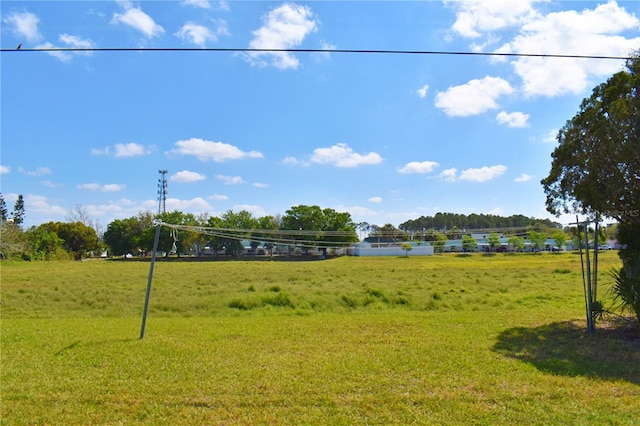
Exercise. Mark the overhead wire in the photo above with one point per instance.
(358, 51)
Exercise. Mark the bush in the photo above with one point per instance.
(626, 287)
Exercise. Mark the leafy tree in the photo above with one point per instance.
(389, 231)
(44, 243)
(3, 209)
(18, 211)
(440, 242)
(269, 224)
(493, 240)
(468, 243)
(78, 238)
(170, 238)
(407, 247)
(12, 240)
(560, 238)
(123, 236)
(215, 243)
(537, 239)
(363, 227)
(244, 222)
(596, 165)
(516, 243)
(317, 221)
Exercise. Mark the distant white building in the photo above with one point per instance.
(388, 247)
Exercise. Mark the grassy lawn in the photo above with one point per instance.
(432, 340)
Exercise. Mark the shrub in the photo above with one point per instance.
(626, 287)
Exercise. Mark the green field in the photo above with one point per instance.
(432, 340)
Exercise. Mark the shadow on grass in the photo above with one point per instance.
(78, 343)
(565, 348)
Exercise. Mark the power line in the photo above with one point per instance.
(356, 51)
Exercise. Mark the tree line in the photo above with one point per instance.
(80, 237)
(307, 226)
(449, 221)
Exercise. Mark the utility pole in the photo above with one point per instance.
(162, 191)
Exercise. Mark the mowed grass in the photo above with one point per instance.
(431, 340)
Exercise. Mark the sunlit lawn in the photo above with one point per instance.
(432, 340)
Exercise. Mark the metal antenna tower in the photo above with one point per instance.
(162, 192)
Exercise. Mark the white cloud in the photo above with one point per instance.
(513, 119)
(137, 19)
(38, 204)
(472, 98)
(449, 175)
(202, 4)
(551, 136)
(292, 161)
(340, 155)
(77, 43)
(207, 150)
(40, 171)
(4, 169)
(61, 56)
(375, 199)
(284, 27)
(327, 47)
(418, 167)
(186, 176)
(194, 205)
(260, 185)
(200, 35)
(523, 178)
(50, 184)
(251, 208)
(482, 174)
(595, 32)
(476, 17)
(130, 150)
(230, 180)
(122, 150)
(218, 197)
(24, 25)
(112, 187)
(422, 92)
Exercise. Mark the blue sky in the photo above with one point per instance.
(386, 137)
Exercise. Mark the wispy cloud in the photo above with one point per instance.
(200, 35)
(123, 150)
(523, 178)
(513, 119)
(230, 180)
(341, 155)
(23, 25)
(422, 92)
(111, 187)
(418, 167)
(186, 176)
(40, 171)
(481, 174)
(205, 150)
(137, 19)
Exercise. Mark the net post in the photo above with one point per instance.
(158, 224)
